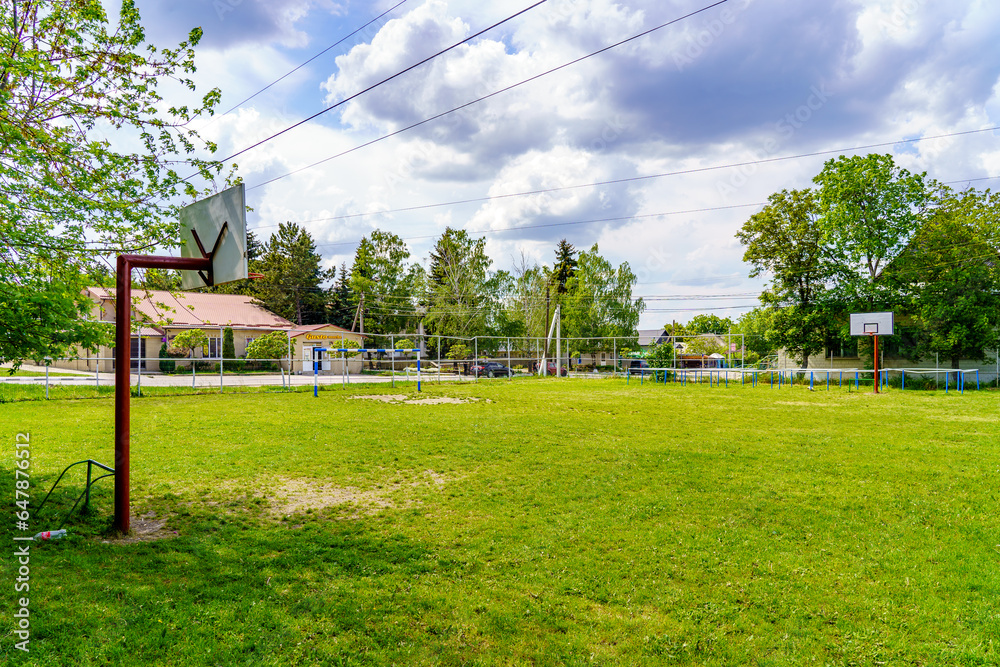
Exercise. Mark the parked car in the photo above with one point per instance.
(637, 366)
(490, 369)
(550, 369)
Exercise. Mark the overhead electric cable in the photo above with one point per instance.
(296, 69)
(383, 81)
(484, 97)
(633, 179)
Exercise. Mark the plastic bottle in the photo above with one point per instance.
(50, 535)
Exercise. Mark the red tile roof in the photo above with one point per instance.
(194, 309)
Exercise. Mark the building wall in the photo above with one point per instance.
(329, 337)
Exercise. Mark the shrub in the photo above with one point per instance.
(228, 344)
(167, 364)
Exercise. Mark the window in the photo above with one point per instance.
(214, 348)
(839, 348)
(138, 349)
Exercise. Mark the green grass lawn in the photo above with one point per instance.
(553, 522)
(5, 372)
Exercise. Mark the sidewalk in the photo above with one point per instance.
(206, 379)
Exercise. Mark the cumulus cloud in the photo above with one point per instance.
(748, 81)
(228, 23)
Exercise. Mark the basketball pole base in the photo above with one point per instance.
(875, 337)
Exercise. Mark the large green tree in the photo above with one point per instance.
(786, 241)
(75, 90)
(464, 298)
(707, 323)
(565, 266)
(527, 300)
(869, 208)
(292, 286)
(388, 283)
(599, 304)
(949, 275)
(341, 304)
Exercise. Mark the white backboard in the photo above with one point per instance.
(871, 324)
(220, 223)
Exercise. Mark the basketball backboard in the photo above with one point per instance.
(871, 324)
(216, 226)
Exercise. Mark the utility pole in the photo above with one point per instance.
(558, 339)
(547, 297)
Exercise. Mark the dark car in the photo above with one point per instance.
(637, 366)
(550, 369)
(490, 369)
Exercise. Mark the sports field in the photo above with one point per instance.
(550, 522)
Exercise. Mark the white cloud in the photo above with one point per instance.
(932, 69)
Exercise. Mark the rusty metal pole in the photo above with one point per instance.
(123, 349)
(123, 363)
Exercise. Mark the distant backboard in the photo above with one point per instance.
(871, 324)
(216, 226)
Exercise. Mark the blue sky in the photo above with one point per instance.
(748, 80)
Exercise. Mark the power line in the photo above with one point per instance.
(633, 179)
(383, 81)
(296, 69)
(485, 97)
(557, 224)
(599, 220)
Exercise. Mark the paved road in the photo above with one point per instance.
(208, 379)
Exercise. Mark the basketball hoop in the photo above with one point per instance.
(255, 276)
(873, 325)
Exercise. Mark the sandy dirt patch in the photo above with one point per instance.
(407, 400)
(296, 496)
(146, 528)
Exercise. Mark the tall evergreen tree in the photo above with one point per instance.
(464, 297)
(293, 276)
(341, 304)
(381, 274)
(565, 266)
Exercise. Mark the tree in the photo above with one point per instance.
(188, 340)
(700, 324)
(464, 298)
(526, 301)
(565, 266)
(272, 345)
(68, 82)
(950, 277)
(787, 241)
(389, 286)
(661, 356)
(599, 303)
(757, 328)
(293, 276)
(341, 303)
(869, 208)
(228, 344)
(704, 344)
